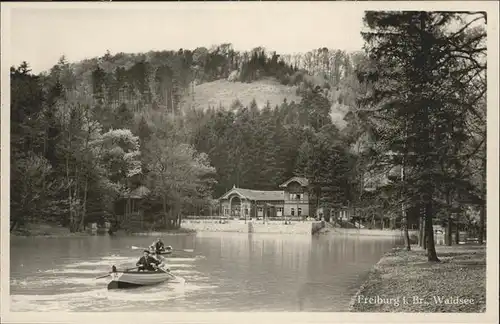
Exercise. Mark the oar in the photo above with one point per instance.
(141, 248)
(168, 272)
(171, 275)
(128, 269)
(103, 276)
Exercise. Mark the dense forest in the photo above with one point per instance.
(84, 134)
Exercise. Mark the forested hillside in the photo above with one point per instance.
(85, 133)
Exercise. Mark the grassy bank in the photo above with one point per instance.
(403, 281)
(45, 230)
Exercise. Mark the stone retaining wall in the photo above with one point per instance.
(248, 227)
(276, 227)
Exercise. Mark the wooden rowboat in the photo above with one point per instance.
(132, 279)
(163, 252)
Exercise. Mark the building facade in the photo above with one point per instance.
(291, 201)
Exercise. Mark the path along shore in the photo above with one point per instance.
(404, 281)
(277, 227)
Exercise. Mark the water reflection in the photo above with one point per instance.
(226, 272)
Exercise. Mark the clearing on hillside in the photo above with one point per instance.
(223, 92)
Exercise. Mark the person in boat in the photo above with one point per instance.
(159, 245)
(163, 265)
(147, 262)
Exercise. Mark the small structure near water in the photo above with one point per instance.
(292, 201)
(129, 208)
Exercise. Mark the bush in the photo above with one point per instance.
(284, 79)
(296, 78)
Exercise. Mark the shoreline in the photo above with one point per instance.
(298, 228)
(51, 231)
(277, 227)
(403, 281)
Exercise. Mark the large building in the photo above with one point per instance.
(291, 201)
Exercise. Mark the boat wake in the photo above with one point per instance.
(74, 287)
(73, 271)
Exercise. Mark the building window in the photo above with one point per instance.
(259, 209)
(292, 210)
(299, 211)
(246, 211)
(280, 209)
(297, 196)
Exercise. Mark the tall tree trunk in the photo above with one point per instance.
(70, 199)
(406, 235)
(449, 227)
(431, 247)
(318, 193)
(482, 227)
(76, 194)
(71, 205)
(81, 226)
(421, 224)
(424, 232)
(404, 212)
(449, 230)
(482, 212)
(457, 230)
(84, 206)
(404, 224)
(165, 214)
(425, 135)
(424, 240)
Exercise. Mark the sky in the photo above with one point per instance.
(41, 36)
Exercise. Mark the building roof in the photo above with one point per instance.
(256, 194)
(137, 193)
(302, 181)
(269, 195)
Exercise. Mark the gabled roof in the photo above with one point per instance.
(302, 181)
(137, 193)
(255, 194)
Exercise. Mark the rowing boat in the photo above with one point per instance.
(132, 279)
(163, 252)
(152, 250)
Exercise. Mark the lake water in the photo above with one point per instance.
(225, 272)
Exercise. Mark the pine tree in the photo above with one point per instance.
(416, 83)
